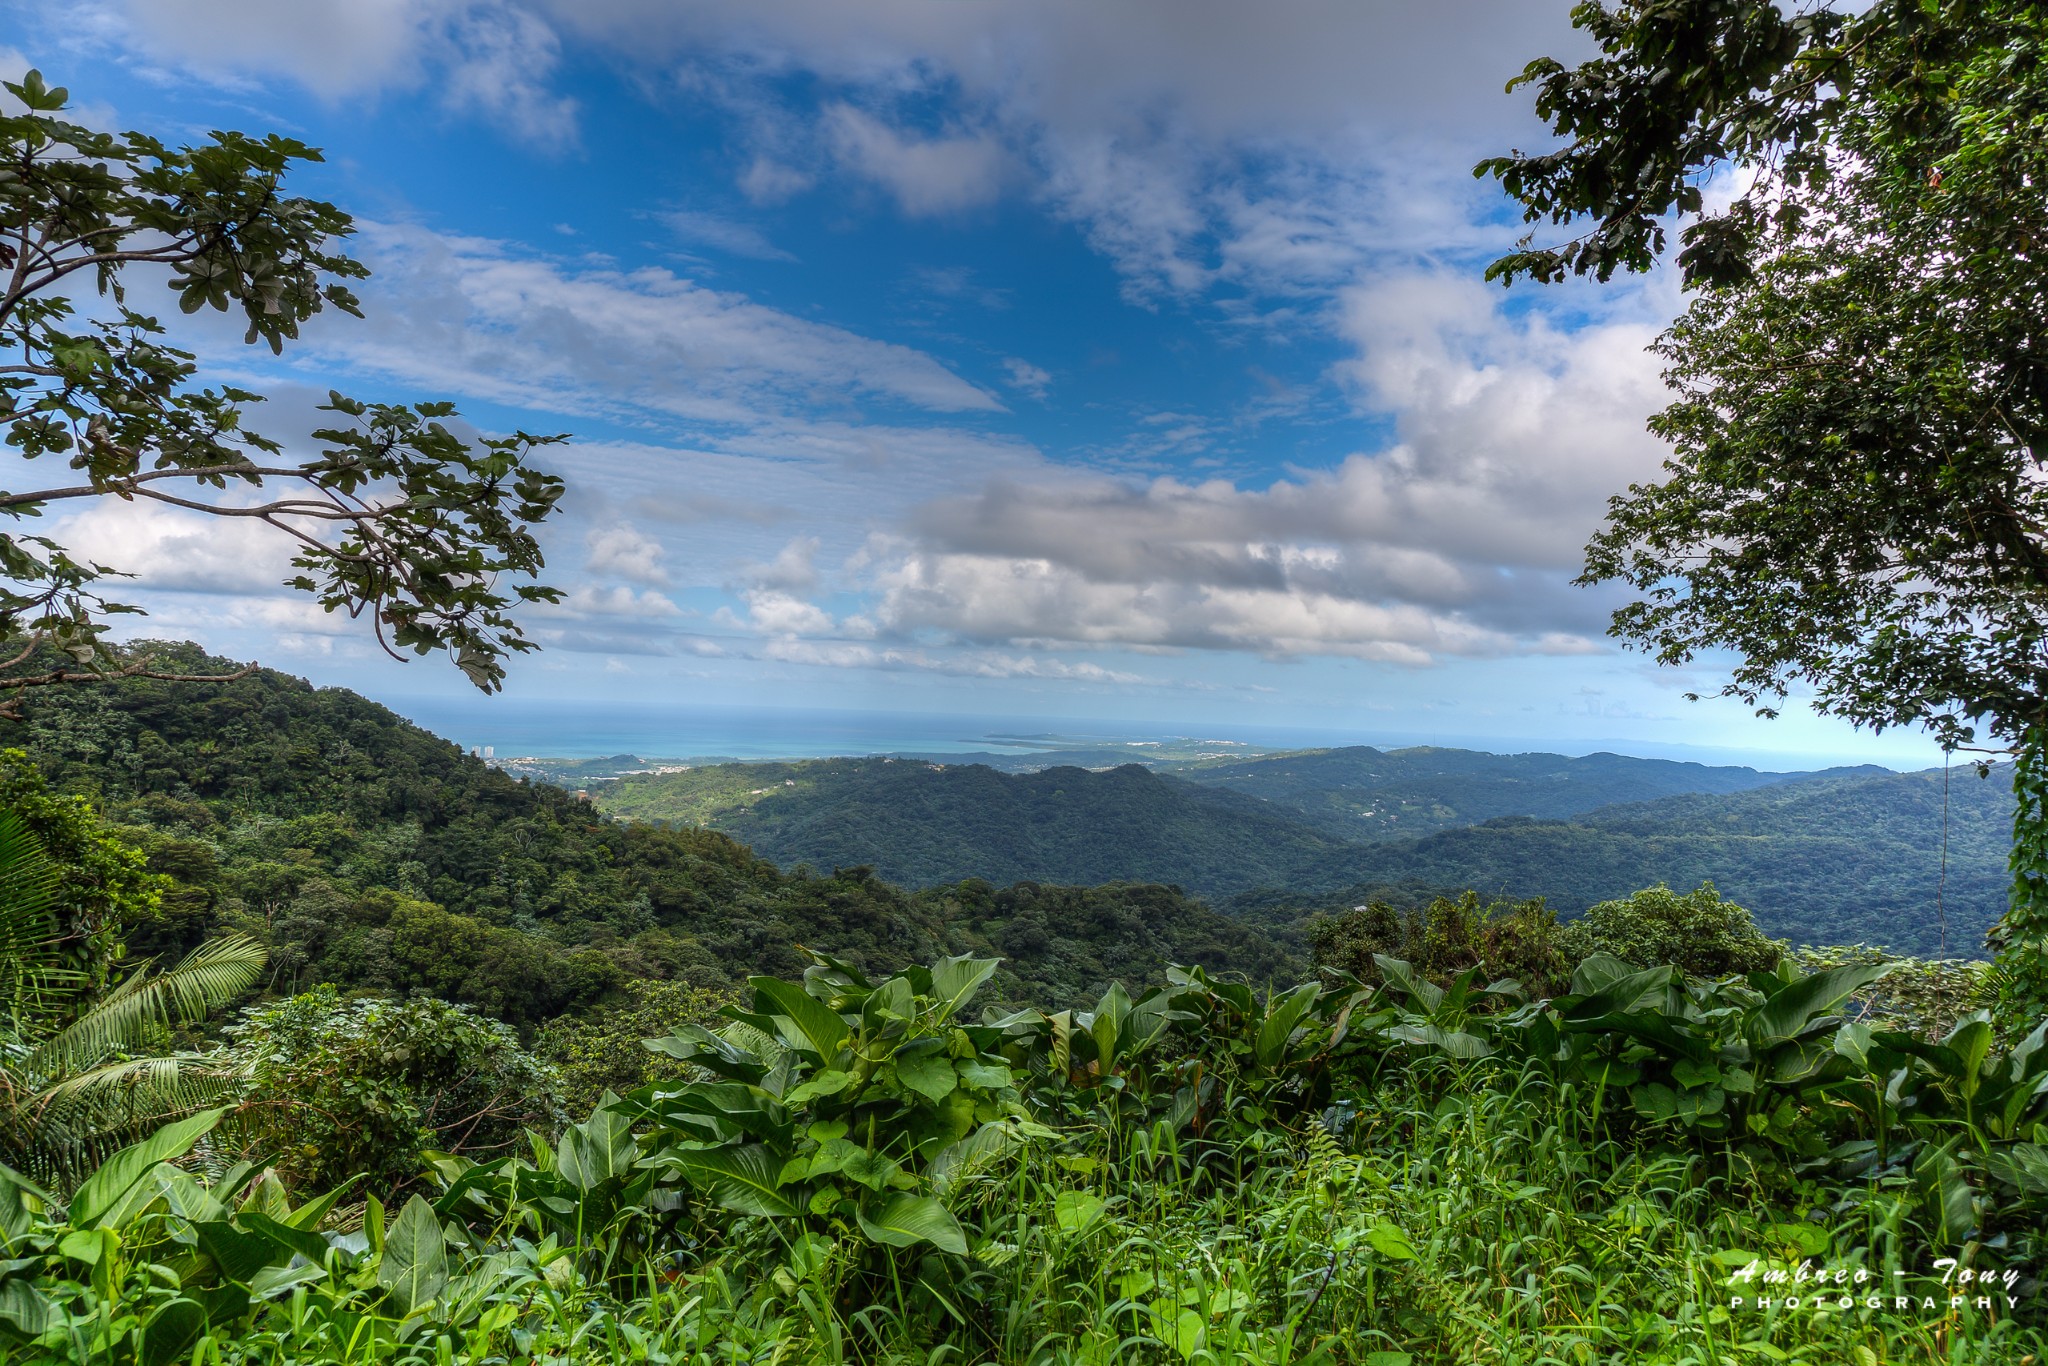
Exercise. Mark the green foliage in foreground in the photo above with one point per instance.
(83, 1072)
(1406, 1172)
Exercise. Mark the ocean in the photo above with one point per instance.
(582, 730)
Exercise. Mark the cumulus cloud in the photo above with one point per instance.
(927, 176)
(490, 320)
(487, 57)
(623, 551)
(1458, 539)
(609, 600)
(169, 548)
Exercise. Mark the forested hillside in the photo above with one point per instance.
(1853, 856)
(1361, 793)
(923, 823)
(367, 852)
(1827, 861)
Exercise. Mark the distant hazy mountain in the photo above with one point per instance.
(1360, 793)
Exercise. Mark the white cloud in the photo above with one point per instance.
(488, 57)
(927, 176)
(966, 664)
(608, 600)
(623, 551)
(1457, 540)
(768, 181)
(726, 234)
(792, 570)
(1027, 378)
(488, 320)
(168, 548)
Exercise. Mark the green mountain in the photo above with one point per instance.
(922, 823)
(1361, 793)
(1820, 858)
(368, 852)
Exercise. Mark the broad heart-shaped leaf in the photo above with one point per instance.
(1620, 994)
(1794, 1008)
(1597, 972)
(955, 980)
(802, 1020)
(598, 1149)
(1281, 1018)
(414, 1267)
(904, 1219)
(695, 1043)
(929, 1073)
(741, 1179)
(829, 1081)
(1076, 1210)
(1390, 1241)
(107, 1185)
(1660, 1031)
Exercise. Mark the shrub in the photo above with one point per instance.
(340, 1087)
(606, 1050)
(1924, 996)
(1503, 939)
(1698, 933)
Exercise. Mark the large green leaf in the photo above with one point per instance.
(105, 1187)
(1281, 1018)
(20, 1198)
(1105, 1027)
(1405, 979)
(741, 1179)
(304, 1241)
(802, 1020)
(1794, 1009)
(414, 1267)
(955, 980)
(169, 1333)
(930, 1074)
(598, 1149)
(239, 1255)
(904, 1219)
(24, 1306)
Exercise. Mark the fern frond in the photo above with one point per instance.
(211, 975)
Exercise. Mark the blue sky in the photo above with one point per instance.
(1043, 359)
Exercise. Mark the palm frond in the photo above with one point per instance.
(154, 1089)
(211, 975)
(31, 978)
(77, 1123)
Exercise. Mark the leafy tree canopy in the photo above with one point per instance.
(396, 517)
(1856, 498)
